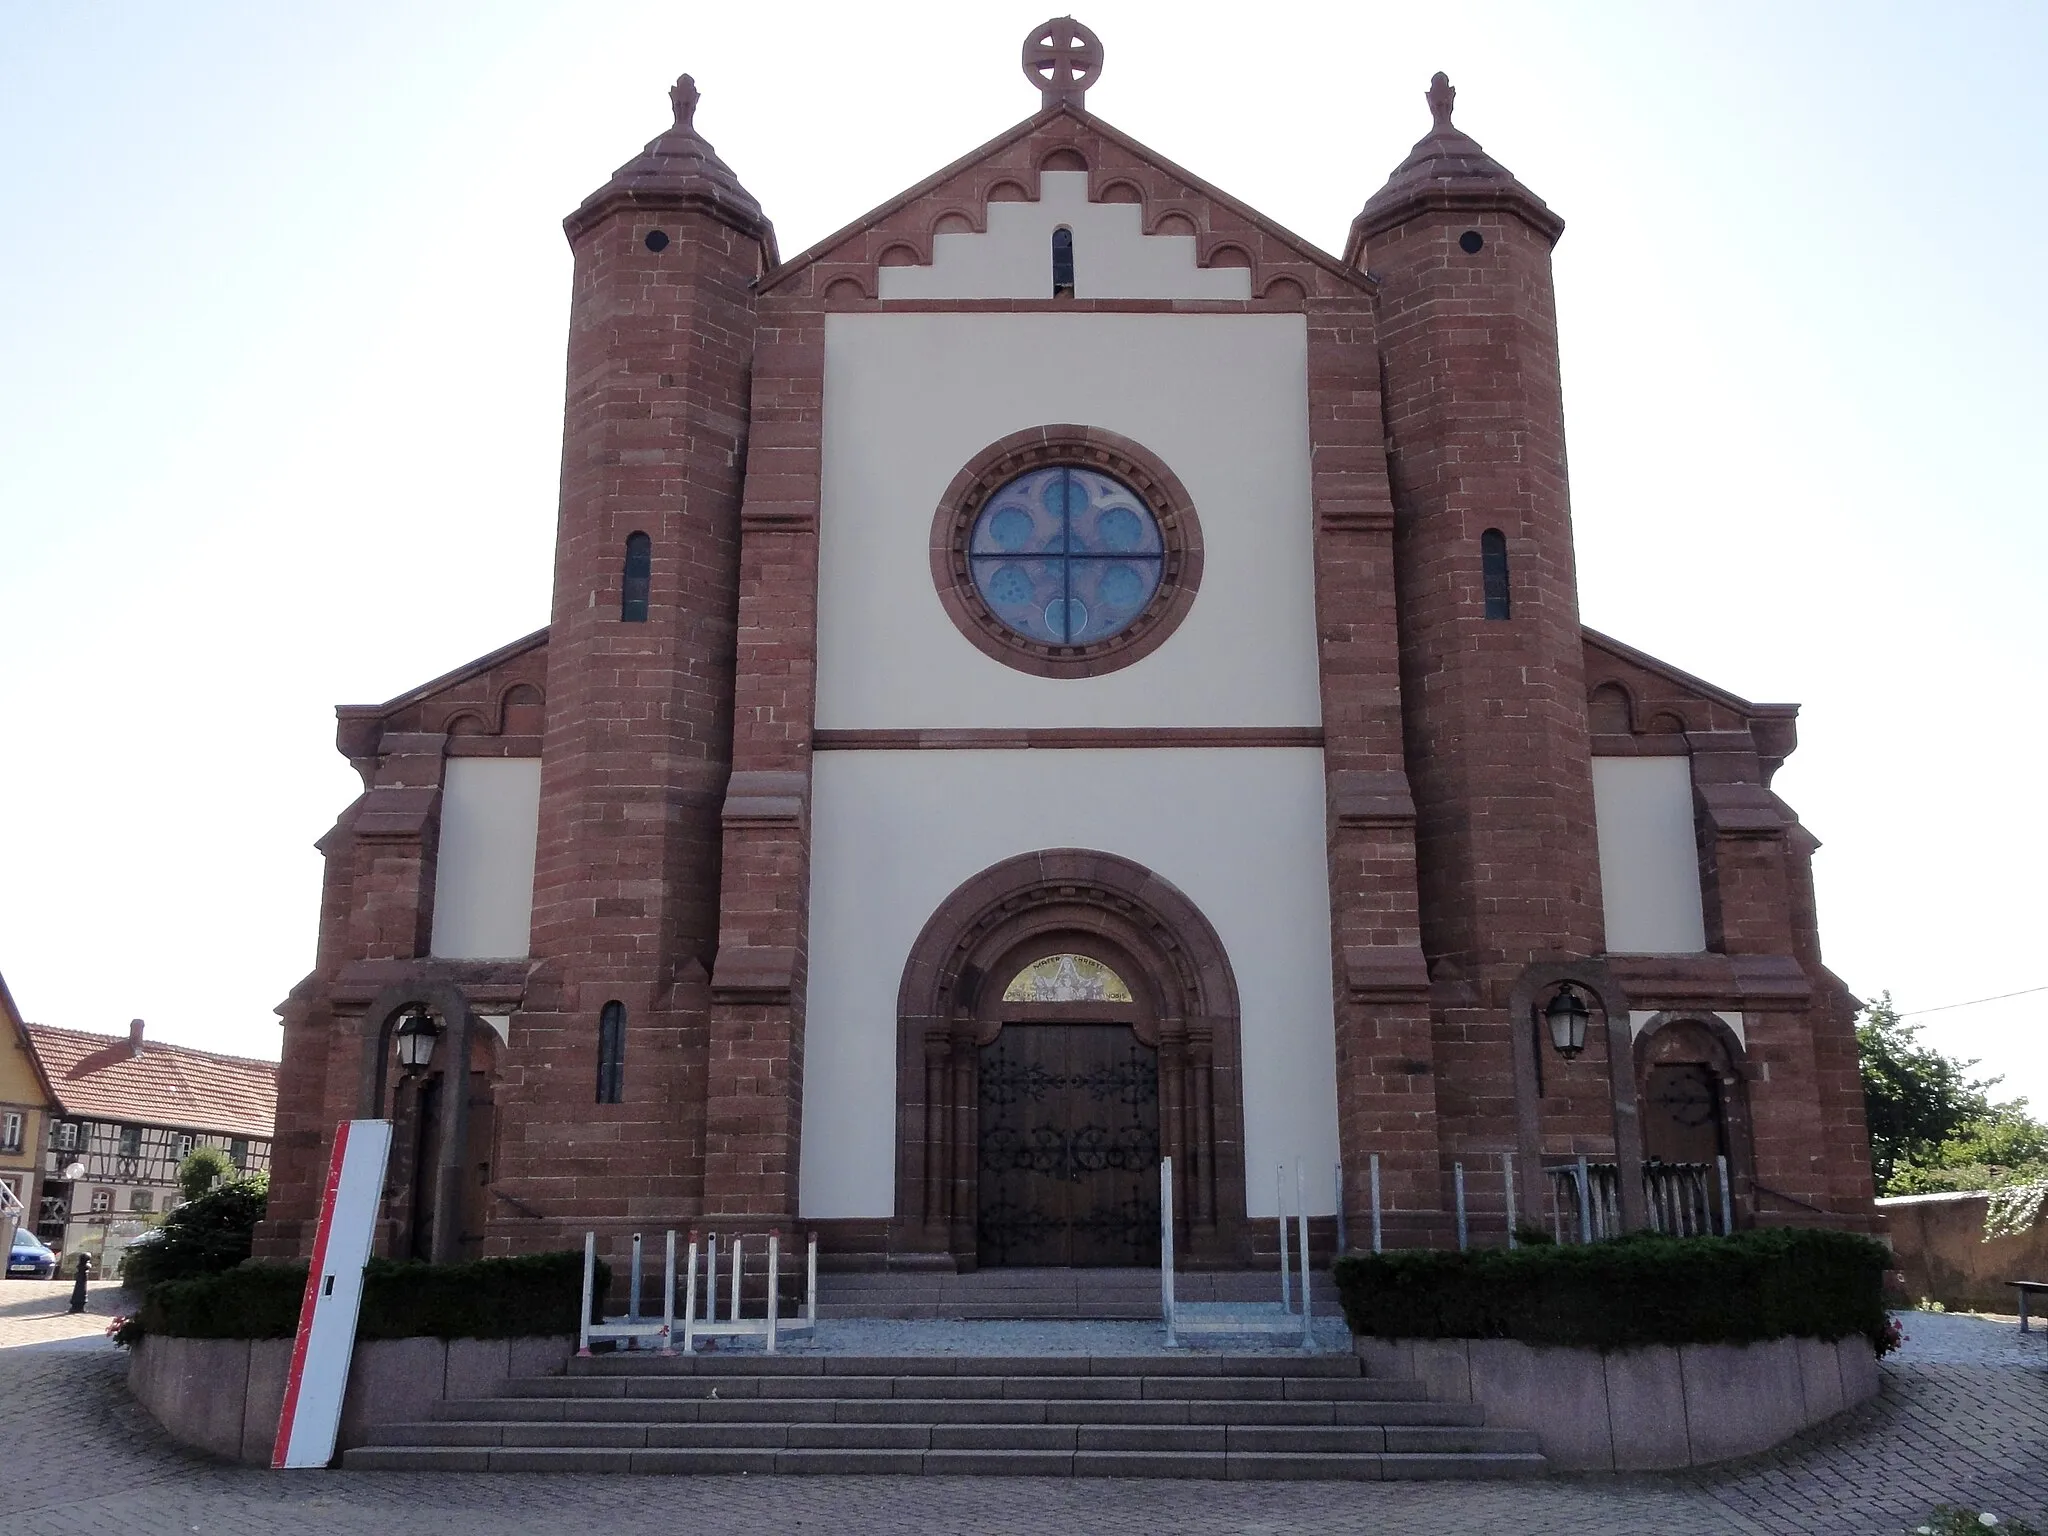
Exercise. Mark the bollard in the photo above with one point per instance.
(78, 1286)
(1458, 1181)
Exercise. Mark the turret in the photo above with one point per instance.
(1491, 671)
(640, 680)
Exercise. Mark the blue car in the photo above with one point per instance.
(30, 1258)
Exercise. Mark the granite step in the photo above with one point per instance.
(909, 1410)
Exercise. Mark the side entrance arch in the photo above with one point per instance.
(1065, 1019)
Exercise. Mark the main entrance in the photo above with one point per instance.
(1067, 1019)
(1069, 1155)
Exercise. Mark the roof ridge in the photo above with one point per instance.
(154, 1045)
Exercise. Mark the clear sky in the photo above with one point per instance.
(282, 304)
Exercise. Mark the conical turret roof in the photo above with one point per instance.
(1447, 169)
(678, 169)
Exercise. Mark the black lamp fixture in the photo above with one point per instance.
(415, 1039)
(1567, 1015)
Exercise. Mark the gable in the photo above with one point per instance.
(493, 706)
(997, 193)
(1113, 256)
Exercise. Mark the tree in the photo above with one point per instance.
(203, 1168)
(1916, 1098)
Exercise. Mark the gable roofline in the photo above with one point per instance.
(460, 674)
(28, 1044)
(775, 277)
(104, 1052)
(1625, 652)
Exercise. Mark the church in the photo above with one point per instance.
(1061, 674)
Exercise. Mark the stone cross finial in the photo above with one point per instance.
(683, 97)
(1440, 97)
(1062, 58)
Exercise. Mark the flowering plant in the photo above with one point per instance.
(124, 1332)
(1893, 1335)
(1947, 1520)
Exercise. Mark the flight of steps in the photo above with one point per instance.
(1131, 1294)
(1278, 1415)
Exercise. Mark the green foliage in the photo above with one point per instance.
(1779, 1283)
(2015, 1208)
(1947, 1520)
(1916, 1098)
(536, 1294)
(202, 1168)
(201, 1237)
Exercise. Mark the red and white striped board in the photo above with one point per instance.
(334, 1290)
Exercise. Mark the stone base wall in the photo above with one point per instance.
(1940, 1248)
(1640, 1410)
(224, 1395)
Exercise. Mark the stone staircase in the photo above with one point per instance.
(1277, 1415)
(1130, 1294)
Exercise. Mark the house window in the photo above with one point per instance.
(102, 1201)
(10, 1131)
(611, 1053)
(131, 1141)
(1063, 263)
(1493, 561)
(67, 1136)
(639, 578)
(238, 1151)
(184, 1148)
(141, 1200)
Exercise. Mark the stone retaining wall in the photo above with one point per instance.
(224, 1395)
(1640, 1410)
(1941, 1250)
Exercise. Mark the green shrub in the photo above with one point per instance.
(1773, 1284)
(202, 1168)
(485, 1299)
(201, 1237)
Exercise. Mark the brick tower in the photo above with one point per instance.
(1492, 675)
(640, 684)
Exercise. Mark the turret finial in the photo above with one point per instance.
(1441, 95)
(1062, 58)
(683, 97)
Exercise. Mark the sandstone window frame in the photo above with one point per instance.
(1077, 447)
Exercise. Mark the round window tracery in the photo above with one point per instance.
(1066, 551)
(1066, 556)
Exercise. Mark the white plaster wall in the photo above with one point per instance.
(483, 878)
(1113, 257)
(910, 398)
(1649, 861)
(1238, 830)
(1639, 1018)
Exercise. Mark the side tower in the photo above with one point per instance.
(638, 741)
(1492, 675)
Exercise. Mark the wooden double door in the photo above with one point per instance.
(1069, 1147)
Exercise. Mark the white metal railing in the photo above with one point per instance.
(635, 1332)
(1680, 1199)
(1230, 1316)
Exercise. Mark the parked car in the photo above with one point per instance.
(30, 1258)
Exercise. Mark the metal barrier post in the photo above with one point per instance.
(811, 1298)
(1585, 1203)
(1343, 1236)
(1507, 1176)
(1166, 1248)
(690, 1300)
(1375, 1202)
(1280, 1209)
(1308, 1337)
(1458, 1188)
(1727, 1204)
(738, 1265)
(668, 1293)
(774, 1283)
(633, 1292)
(589, 1278)
(711, 1278)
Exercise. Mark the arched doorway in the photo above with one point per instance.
(1065, 1020)
(1067, 1146)
(1695, 1110)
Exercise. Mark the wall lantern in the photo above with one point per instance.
(417, 1033)
(1567, 1016)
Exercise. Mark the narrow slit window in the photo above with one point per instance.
(638, 579)
(1063, 263)
(611, 1053)
(1493, 560)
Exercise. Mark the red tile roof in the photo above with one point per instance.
(99, 1077)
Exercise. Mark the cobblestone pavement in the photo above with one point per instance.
(1963, 1418)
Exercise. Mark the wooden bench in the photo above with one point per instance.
(2027, 1288)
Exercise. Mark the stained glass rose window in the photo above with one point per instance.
(1066, 556)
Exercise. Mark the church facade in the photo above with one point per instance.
(1065, 673)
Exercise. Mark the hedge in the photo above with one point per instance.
(485, 1299)
(1773, 1284)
